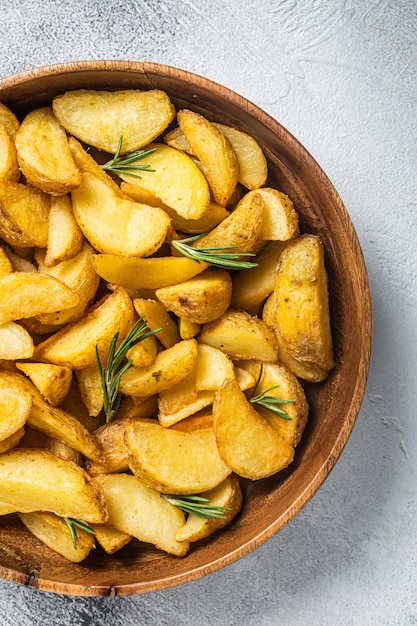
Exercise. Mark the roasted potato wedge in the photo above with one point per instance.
(5, 263)
(53, 532)
(117, 225)
(200, 299)
(17, 259)
(15, 406)
(63, 450)
(138, 273)
(25, 294)
(144, 353)
(91, 389)
(175, 182)
(100, 118)
(75, 344)
(173, 461)
(228, 495)
(44, 155)
(110, 539)
(248, 445)
(65, 238)
(214, 152)
(34, 479)
(212, 368)
(156, 316)
(24, 213)
(188, 329)
(111, 438)
(53, 381)
(302, 302)
(8, 120)
(78, 273)
(12, 440)
(241, 336)
(9, 165)
(139, 511)
(15, 342)
(280, 222)
(171, 367)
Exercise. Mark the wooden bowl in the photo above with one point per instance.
(271, 503)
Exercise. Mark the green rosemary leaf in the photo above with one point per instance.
(126, 164)
(198, 505)
(217, 256)
(73, 524)
(269, 402)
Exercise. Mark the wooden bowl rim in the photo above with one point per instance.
(147, 69)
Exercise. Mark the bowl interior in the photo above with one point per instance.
(268, 504)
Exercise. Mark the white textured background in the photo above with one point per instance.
(341, 76)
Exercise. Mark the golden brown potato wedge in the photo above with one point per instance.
(280, 221)
(241, 336)
(34, 479)
(63, 450)
(139, 511)
(25, 214)
(44, 155)
(110, 539)
(138, 273)
(78, 273)
(12, 441)
(200, 299)
(248, 445)
(65, 238)
(212, 368)
(8, 120)
(174, 461)
(156, 316)
(18, 261)
(5, 263)
(54, 533)
(214, 152)
(132, 407)
(228, 495)
(175, 182)
(302, 302)
(25, 294)
(53, 381)
(111, 438)
(91, 389)
(15, 342)
(73, 403)
(188, 329)
(171, 366)
(252, 286)
(117, 225)
(100, 118)
(75, 344)
(143, 354)
(276, 381)
(241, 230)
(9, 165)
(15, 406)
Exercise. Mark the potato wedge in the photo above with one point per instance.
(18, 261)
(277, 381)
(171, 367)
(99, 118)
(241, 230)
(143, 354)
(302, 302)
(75, 344)
(53, 421)
(251, 287)
(25, 214)
(44, 155)
(139, 511)
(138, 273)
(15, 342)
(78, 273)
(110, 539)
(173, 461)
(111, 438)
(212, 368)
(12, 441)
(176, 182)
(116, 225)
(34, 479)
(63, 450)
(229, 495)
(8, 120)
(248, 445)
(91, 389)
(15, 406)
(9, 165)
(200, 299)
(53, 532)
(215, 153)
(241, 336)
(53, 381)
(188, 329)
(280, 221)
(5, 263)
(156, 316)
(25, 294)
(65, 238)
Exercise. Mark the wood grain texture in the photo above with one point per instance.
(268, 504)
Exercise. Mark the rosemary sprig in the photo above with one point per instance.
(197, 505)
(112, 373)
(270, 402)
(213, 256)
(73, 524)
(125, 164)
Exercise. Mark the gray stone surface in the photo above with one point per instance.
(341, 76)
